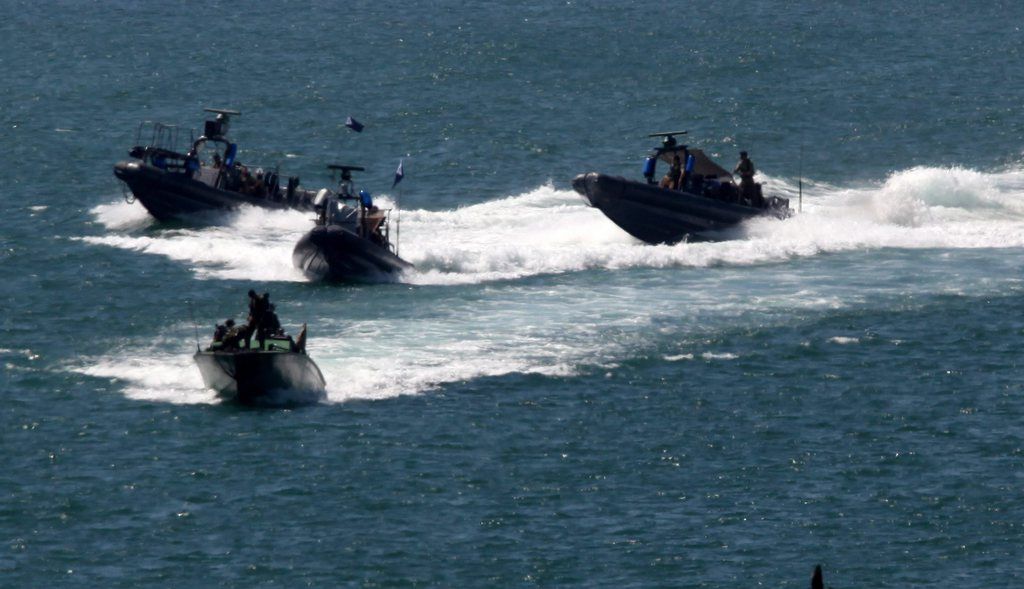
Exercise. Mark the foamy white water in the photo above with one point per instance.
(550, 231)
(559, 329)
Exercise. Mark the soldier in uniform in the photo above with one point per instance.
(745, 168)
(258, 306)
(671, 178)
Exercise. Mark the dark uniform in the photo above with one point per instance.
(219, 332)
(258, 306)
(745, 168)
(271, 324)
(671, 178)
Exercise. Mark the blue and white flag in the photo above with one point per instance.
(399, 173)
(354, 125)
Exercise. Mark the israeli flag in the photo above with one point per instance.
(399, 173)
(354, 125)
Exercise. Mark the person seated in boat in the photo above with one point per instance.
(745, 168)
(234, 336)
(222, 330)
(217, 163)
(259, 186)
(240, 178)
(671, 178)
(250, 185)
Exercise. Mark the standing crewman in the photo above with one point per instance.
(258, 306)
(745, 168)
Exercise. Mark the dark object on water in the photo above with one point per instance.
(703, 201)
(817, 581)
(354, 125)
(277, 373)
(348, 243)
(176, 185)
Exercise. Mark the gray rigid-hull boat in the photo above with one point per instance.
(702, 203)
(279, 373)
(333, 253)
(172, 185)
(348, 243)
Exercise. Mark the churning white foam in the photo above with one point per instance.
(122, 216)
(917, 208)
(548, 231)
(151, 374)
(370, 360)
(516, 328)
(251, 244)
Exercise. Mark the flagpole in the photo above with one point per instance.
(399, 174)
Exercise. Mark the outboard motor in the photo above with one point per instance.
(273, 185)
(649, 164)
(321, 204)
(320, 198)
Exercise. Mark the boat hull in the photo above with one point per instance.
(335, 254)
(173, 196)
(661, 216)
(262, 378)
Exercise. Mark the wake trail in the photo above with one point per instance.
(551, 231)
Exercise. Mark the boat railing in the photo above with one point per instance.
(160, 135)
(383, 228)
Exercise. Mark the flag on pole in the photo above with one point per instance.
(354, 125)
(399, 173)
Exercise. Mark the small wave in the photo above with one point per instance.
(678, 357)
(843, 340)
(719, 356)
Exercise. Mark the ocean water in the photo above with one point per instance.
(543, 401)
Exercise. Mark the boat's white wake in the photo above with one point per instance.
(544, 327)
(369, 361)
(547, 231)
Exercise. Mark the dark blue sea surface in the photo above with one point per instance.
(543, 401)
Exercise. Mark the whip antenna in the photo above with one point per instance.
(398, 222)
(399, 174)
